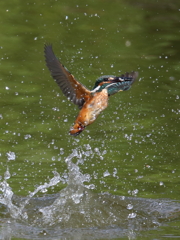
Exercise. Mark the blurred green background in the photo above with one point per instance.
(135, 142)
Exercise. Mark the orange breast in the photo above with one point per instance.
(92, 108)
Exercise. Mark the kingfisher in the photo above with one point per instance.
(90, 102)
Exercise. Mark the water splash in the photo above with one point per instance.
(74, 191)
(76, 212)
(18, 212)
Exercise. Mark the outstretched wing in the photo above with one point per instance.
(115, 84)
(71, 88)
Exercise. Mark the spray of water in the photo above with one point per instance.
(76, 206)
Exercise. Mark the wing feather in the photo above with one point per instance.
(70, 87)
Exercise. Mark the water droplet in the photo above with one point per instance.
(106, 173)
(161, 183)
(44, 190)
(11, 156)
(129, 206)
(115, 172)
(128, 43)
(27, 136)
(171, 78)
(132, 215)
(7, 174)
(134, 192)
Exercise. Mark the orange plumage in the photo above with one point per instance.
(91, 103)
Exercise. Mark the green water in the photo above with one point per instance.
(135, 141)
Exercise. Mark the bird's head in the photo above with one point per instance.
(76, 129)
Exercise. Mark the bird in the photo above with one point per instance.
(90, 102)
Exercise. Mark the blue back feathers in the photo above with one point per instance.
(115, 84)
